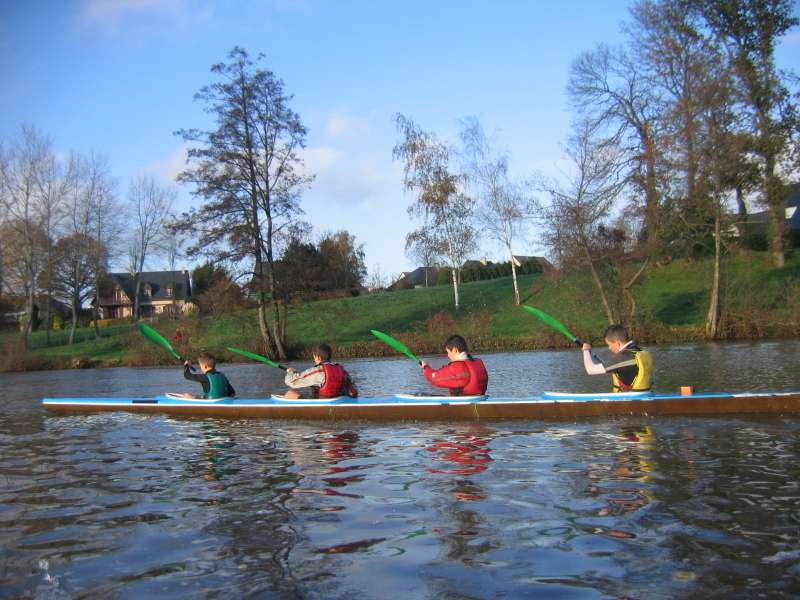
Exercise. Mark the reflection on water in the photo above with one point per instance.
(125, 506)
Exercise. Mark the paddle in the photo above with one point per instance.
(158, 339)
(263, 359)
(399, 346)
(554, 323)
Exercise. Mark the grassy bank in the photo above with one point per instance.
(758, 302)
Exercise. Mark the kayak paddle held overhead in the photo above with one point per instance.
(158, 339)
(399, 346)
(258, 357)
(554, 323)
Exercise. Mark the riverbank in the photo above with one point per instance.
(757, 302)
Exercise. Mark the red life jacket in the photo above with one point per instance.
(337, 382)
(478, 378)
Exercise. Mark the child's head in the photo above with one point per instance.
(455, 344)
(206, 361)
(616, 337)
(321, 351)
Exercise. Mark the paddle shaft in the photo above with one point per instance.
(258, 357)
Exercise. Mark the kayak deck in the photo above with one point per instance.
(471, 408)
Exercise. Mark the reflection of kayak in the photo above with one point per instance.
(445, 408)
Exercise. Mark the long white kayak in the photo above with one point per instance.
(413, 407)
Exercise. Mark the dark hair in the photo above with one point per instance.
(323, 351)
(617, 333)
(207, 359)
(457, 342)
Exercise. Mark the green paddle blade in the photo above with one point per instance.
(155, 337)
(390, 341)
(254, 356)
(552, 322)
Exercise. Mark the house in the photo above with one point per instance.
(757, 222)
(161, 292)
(545, 264)
(416, 278)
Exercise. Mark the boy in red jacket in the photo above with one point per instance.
(463, 375)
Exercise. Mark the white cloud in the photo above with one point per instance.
(347, 127)
(167, 170)
(109, 13)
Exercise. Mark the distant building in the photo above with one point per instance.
(545, 264)
(160, 292)
(757, 222)
(416, 278)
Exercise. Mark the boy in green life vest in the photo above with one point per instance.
(632, 371)
(215, 384)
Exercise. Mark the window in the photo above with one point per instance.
(169, 291)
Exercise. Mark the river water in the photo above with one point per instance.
(131, 506)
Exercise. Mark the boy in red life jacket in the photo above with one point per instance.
(324, 380)
(463, 375)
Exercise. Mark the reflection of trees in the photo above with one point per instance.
(459, 456)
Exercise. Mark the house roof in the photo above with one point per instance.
(417, 276)
(159, 282)
(541, 260)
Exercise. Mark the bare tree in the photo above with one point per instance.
(608, 88)
(151, 207)
(580, 205)
(78, 253)
(52, 183)
(106, 217)
(504, 206)
(249, 172)
(24, 168)
(445, 210)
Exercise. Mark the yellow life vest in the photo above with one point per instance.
(644, 378)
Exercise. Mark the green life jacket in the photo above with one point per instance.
(218, 386)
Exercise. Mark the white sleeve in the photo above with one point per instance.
(592, 364)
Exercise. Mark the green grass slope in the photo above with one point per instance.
(758, 301)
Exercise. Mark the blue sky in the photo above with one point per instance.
(118, 77)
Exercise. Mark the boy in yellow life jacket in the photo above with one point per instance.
(633, 372)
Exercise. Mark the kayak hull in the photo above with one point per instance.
(444, 408)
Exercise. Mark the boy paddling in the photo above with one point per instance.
(633, 372)
(464, 375)
(325, 379)
(215, 384)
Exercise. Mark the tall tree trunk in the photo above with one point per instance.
(136, 289)
(712, 319)
(455, 286)
(652, 226)
(47, 316)
(773, 192)
(599, 285)
(740, 204)
(74, 310)
(514, 275)
(96, 307)
(28, 323)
